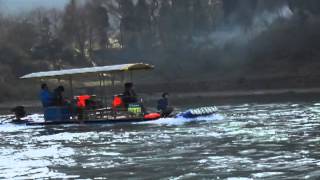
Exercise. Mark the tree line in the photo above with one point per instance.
(94, 32)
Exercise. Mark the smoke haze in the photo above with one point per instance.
(18, 6)
(240, 34)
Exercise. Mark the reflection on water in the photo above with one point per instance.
(272, 141)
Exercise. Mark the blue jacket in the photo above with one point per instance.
(46, 98)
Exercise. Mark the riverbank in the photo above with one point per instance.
(189, 99)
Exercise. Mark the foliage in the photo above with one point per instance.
(183, 37)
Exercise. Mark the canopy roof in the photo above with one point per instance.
(89, 71)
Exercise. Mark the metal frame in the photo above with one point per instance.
(123, 72)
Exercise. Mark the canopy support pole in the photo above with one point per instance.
(100, 88)
(105, 91)
(71, 87)
(122, 78)
(131, 76)
(112, 84)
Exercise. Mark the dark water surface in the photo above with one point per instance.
(271, 141)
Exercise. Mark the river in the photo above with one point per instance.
(249, 141)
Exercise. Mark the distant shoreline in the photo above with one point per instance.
(190, 99)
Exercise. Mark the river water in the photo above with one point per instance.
(250, 141)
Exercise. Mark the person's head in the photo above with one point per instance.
(60, 88)
(44, 86)
(128, 85)
(165, 95)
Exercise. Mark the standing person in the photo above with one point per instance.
(58, 96)
(46, 96)
(163, 105)
(129, 96)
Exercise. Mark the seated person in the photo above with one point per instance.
(117, 102)
(163, 105)
(19, 112)
(91, 103)
(58, 99)
(129, 96)
(46, 96)
(82, 100)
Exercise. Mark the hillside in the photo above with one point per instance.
(229, 44)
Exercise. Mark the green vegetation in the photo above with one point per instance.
(207, 40)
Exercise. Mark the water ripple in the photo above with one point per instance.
(250, 141)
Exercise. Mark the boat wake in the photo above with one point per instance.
(181, 120)
(35, 118)
(8, 119)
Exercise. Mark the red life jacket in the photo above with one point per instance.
(82, 100)
(117, 102)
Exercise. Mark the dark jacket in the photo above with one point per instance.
(58, 97)
(162, 104)
(129, 96)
